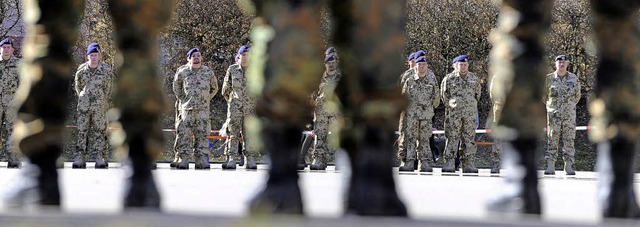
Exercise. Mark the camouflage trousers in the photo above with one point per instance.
(402, 130)
(238, 132)
(192, 132)
(324, 147)
(92, 133)
(8, 116)
(561, 127)
(417, 136)
(460, 128)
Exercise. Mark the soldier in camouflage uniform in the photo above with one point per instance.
(496, 109)
(43, 97)
(460, 93)
(194, 86)
(8, 86)
(411, 62)
(424, 95)
(92, 84)
(325, 115)
(562, 96)
(240, 105)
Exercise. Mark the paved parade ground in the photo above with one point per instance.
(200, 195)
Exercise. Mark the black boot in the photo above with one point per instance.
(79, 162)
(100, 162)
(425, 167)
(551, 167)
(372, 189)
(318, 164)
(520, 191)
(621, 200)
(449, 164)
(230, 164)
(251, 163)
(176, 160)
(184, 161)
(13, 162)
(468, 166)
(281, 193)
(407, 166)
(202, 161)
(568, 168)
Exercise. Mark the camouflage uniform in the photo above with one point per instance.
(562, 96)
(47, 76)
(496, 109)
(460, 94)
(424, 96)
(93, 88)
(325, 116)
(240, 105)
(402, 126)
(8, 86)
(194, 88)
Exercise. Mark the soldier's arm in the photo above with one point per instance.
(78, 83)
(226, 86)
(443, 92)
(177, 86)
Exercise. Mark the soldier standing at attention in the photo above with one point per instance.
(411, 62)
(93, 82)
(324, 116)
(562, 96)
(460, 93)
(8, 86)
(423, 94)
(239, 106)
(194, 86)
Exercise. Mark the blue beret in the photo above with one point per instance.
(330, 50)
(562, 57)
(420, 53)
(93, 47)
(192, 51)
(6, 41)
(330, 57)
(243, 49)
(461, 58)
(411, 56)
(421, 59)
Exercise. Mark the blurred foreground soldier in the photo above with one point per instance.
(368, 89)
(92, 84)
(52, 31)
(518, 79)
(325, 115)
(424, 95)
(194, 86)
(240, 105)
(460, 94)
(8, 86)
(562, 96)
(496, 109)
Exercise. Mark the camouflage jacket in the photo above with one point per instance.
(93, 86)
(194, 88)
(326, 89)
(562, 93)
(234, 88)
(8, 80)
(461, 93)
(423, 95)
(405, 75)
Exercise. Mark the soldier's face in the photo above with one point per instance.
(244, 59)
(195, 60)
(7, 51)
(462, 67)
(422, 67)
(331, 66)
(94, 58)
(562, 64)
(412, 63)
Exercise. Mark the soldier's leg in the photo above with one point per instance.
(99, 138)
(307, 142)
(176, 156)
(425, 145)
(7, 133)
(615, 109)
(83, 124)
(235, 129)
(402, 129)
(452, 132)
(554, 126)
(201, 130)
(46, 75)
(320, 144)
(184, 142)
(369, 35)
(568, 129)
(289, 78)
(468, 157)
(139, 96)
(517, 63)
(411, 136)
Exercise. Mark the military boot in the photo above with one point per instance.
(176, 160)
(616, 176)
(468, 166)
(184, 161)
(13, 161)
(407, 166)
(448, 165)
(202, 161)
(551, 167)
(318, 164)
(425, 167)
(519, 193)
(230, 164)
(568, 169)
(79, 162)
(251, 163)
(100, 162)
(496, 168)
